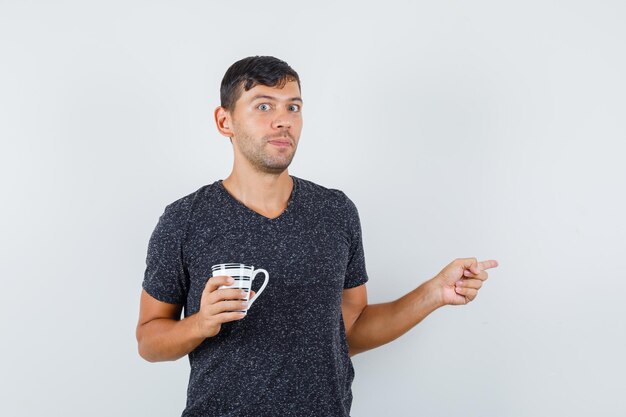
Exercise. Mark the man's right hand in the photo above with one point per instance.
(218, 306)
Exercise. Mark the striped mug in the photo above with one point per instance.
(244, 276)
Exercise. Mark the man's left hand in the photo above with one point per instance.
(459, 282)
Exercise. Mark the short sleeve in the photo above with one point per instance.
(356, 274)
(165, 278)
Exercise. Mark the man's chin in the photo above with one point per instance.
(278, 163)
(276, 169)
(273, 169)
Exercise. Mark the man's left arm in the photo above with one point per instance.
(371, 326)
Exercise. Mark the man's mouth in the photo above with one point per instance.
(280, 142)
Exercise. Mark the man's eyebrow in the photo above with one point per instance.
(258, 96)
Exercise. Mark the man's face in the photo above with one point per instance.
(266, 123)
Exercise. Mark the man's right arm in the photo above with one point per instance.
(163, 336)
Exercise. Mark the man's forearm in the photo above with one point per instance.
(379, 324)
(168, 339)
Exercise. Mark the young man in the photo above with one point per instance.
(290, 354)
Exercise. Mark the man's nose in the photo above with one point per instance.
(282, 124)
(282, 121)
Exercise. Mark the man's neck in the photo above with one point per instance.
(266, 194)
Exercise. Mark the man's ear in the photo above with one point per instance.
(223, 121)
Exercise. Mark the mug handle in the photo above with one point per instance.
(265, 280)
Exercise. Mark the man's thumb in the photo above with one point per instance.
(471, 264)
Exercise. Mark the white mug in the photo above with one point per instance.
(244, 276)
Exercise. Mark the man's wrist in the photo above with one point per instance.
(435, 291)
(194, 326)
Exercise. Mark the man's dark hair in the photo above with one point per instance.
(251, 71)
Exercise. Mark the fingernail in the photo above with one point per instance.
(458, 283)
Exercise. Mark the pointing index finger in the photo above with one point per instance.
(488, 264)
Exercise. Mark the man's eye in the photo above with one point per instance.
(263, 106)
(297, 108)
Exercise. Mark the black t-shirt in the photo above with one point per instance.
(289, 355)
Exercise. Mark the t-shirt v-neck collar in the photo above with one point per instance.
(246, 209)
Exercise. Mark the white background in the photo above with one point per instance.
(480, 129)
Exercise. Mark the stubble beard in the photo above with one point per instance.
(261, 157)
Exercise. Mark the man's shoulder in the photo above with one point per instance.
(315, 190)
(327, 196)
(184, 204)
